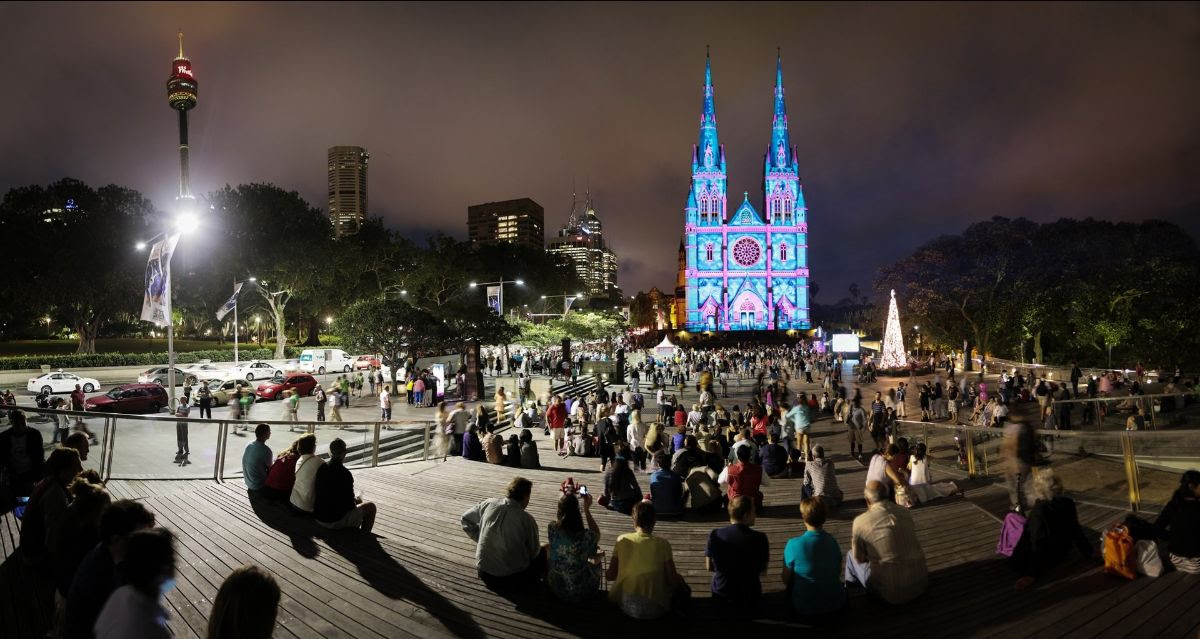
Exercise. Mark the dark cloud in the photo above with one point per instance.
(911, 119)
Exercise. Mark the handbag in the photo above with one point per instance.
(902, 497)
(1010, 533)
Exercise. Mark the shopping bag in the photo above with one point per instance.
(1149, 563)
(1118, 552)
(1010, 533)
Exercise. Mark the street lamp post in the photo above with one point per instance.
(567, 299)
(183, 224)
(501, 283)
(236, 283)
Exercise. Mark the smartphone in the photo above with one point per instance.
(583, 490)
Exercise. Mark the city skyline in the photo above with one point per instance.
(915, 120)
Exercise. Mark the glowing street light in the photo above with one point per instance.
(501, 283)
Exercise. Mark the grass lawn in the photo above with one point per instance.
(114, 345)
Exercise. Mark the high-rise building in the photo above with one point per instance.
(521, 222)
(745, 271)
(581, 240)
(181, 95)
(347, 188)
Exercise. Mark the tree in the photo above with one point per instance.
(592, 326)
(391, 327)
(278, 238)
(538, 335)
(71, 246)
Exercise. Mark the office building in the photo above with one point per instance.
(521, 222)
(347, 189)
(581, 241)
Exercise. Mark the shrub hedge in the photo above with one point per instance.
(76, 360)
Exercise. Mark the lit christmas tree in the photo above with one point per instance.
(893, 339)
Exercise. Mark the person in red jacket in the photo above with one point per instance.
(744, 478)
(680, 416)
(556, 420)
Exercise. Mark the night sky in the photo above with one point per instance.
(910, 120)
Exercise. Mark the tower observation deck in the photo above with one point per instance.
(181, 95)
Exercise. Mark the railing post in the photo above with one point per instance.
(970, 444)
(112, 446)
(222, 443)
(1131, 472)
(375, 447)
(104, 435)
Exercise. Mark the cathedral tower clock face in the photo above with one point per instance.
(746, 252)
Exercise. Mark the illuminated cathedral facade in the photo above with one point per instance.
(745, 270)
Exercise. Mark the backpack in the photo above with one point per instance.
(1118, 552)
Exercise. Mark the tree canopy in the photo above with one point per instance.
(1073, 289)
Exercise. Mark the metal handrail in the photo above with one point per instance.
(1123, 441)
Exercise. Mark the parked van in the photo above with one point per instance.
(321, 360)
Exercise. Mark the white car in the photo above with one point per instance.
(251, 371)
(60, 382)
(203, 373)
(161, 375)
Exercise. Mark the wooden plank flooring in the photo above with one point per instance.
(415, 577)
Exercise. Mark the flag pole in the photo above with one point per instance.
(235, 324)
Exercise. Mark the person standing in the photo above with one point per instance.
(205, 398)
(335, 404)
(319, 395)
(385, 405)
(371, 380)
(181, 434)
(1020, 451)
(856, 424)
(256, 460)
(291, 408)
(78, 404)
(556, 421)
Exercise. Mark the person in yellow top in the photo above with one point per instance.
(642, 571)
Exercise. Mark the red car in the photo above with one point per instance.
(363, 362)
(129, 398)
(302, 383)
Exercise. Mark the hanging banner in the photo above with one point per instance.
(154, 304)
(567, 301)
(229, 305)
(493, 298)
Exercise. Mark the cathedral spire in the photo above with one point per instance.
(779, 155)
(708, 150)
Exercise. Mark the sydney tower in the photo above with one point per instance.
(181, 94)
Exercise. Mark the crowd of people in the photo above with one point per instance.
(111, 564)
(108, 563)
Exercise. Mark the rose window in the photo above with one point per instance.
(746, 252)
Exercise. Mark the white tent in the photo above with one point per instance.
(665, 348)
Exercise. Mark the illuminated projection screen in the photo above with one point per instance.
(845, 343)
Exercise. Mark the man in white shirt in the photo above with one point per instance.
(885, 556)
(303, 494)
(507, 552)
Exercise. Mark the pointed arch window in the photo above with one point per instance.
(708, 251)
(783, 252)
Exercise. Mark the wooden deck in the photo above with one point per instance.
(416, 577)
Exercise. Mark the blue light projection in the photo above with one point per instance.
(746, 271)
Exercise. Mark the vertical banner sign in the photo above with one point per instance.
(567, 301)
(154, 304)
(229, 305)
(493, 298)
